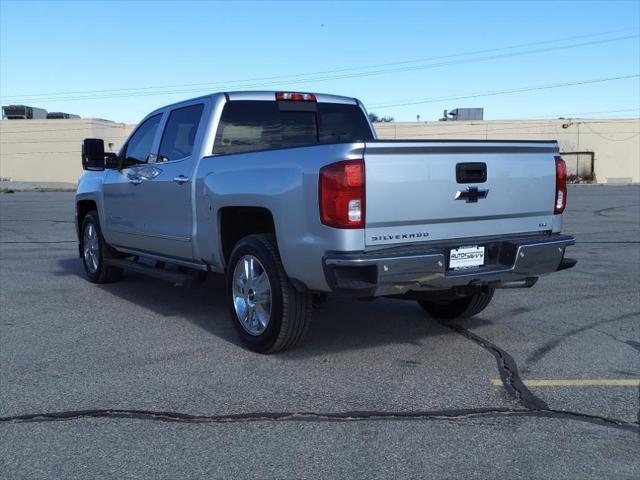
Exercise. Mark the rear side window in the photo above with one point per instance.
(179, 134)
(248, 126)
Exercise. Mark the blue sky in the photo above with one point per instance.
(162, 49)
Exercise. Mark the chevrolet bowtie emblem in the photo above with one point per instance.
(471, 195)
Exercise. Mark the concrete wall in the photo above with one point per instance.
(615, 143)
(49, 150)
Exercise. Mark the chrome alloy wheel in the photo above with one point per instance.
(252, 295)
(91, 246)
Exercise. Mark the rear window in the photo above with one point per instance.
(248, 126)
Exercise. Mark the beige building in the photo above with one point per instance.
(49, 150)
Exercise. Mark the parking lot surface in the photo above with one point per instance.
(140, 379)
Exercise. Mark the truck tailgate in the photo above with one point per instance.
(411, 189)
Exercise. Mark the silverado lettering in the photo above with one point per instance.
(399, 236)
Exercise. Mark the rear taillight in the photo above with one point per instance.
(561, 185)
(295, 97)
(341, 190)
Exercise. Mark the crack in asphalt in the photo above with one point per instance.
(36, 220)
(37, 241)
(355, 416)
(601, 211)
(552, 344)
(630, 343)
(507, 368)
(517, 390)
(532, 406)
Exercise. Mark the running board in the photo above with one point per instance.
(176, 278)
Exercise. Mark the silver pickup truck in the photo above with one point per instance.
(291, 196)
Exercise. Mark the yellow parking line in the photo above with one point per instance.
(595, 382)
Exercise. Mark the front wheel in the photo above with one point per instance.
(95, 250)
(462, 307)
(269, 312)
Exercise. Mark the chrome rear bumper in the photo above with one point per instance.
(509, 262)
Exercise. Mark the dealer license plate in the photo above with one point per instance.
(466, 257)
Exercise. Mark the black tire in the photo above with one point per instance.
(290, 308)
(318, 299)
(103, 273)
(463, 307)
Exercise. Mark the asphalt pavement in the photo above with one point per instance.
(141, 379)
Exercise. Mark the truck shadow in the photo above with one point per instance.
(340, 324)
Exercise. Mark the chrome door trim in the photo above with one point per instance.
(154, 235)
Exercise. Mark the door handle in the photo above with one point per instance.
(180, 179)
(135, 181)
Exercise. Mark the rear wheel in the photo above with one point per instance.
(461, 307)
(268, 311)
(95, 250)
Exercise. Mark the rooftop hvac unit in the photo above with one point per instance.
(23, 112)
(59, 115)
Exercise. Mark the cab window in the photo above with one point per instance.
(139, 145)
(179, 134)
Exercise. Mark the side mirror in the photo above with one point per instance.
(93, 154)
